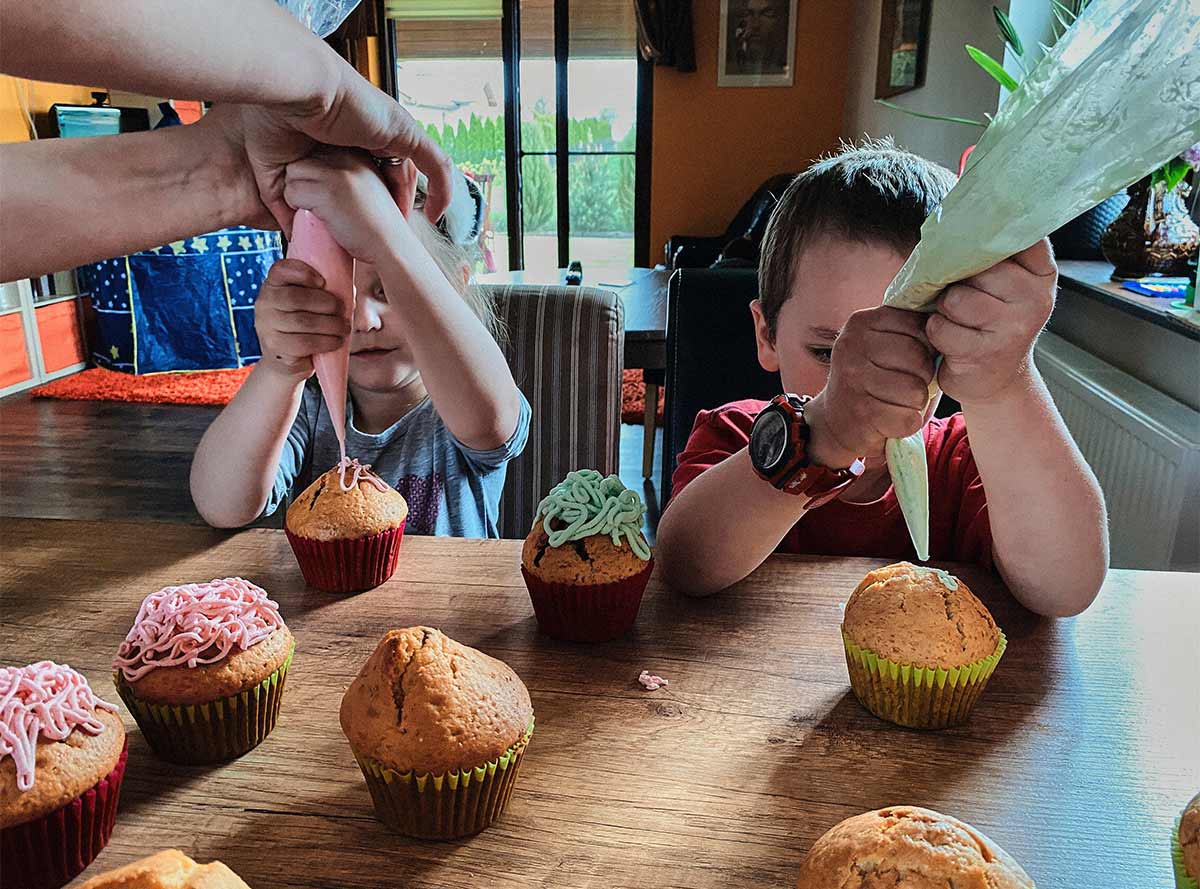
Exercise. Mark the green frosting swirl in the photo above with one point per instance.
(586, 503)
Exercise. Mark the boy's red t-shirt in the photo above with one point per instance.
(958, 518)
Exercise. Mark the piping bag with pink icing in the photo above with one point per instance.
(313, 244)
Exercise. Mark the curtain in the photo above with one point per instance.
(665, 33)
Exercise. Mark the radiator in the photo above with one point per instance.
(1144, 448)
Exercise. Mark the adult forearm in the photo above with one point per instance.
(722, 526)
(235, 51)
(1049, 528)
(234, 469)
(113, 195)
(461, 365)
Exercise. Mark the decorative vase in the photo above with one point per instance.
(1080, 238)
(1154, 233)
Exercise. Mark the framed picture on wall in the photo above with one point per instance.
(758, 43)
(903, 46)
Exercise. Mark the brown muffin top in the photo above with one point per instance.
(168, 869)
(919, 616)
(905, 847)
(1189, 837)
(594, 559)
(425, 703)
(63, 770)
(326, 512)
(241, 670)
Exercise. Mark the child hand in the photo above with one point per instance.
(296, 319)
(348, 194)
(878, 387)
(986, 325)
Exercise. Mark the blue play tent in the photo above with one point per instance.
(188, 305)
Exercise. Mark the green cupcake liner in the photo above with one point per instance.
(1182, 880)
(215, 731)
(447, 806)
(918, 697)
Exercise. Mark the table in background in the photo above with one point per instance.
(1077, 760)
(643, 294)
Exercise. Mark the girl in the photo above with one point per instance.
(431, 402)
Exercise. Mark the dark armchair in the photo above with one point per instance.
(692, 252)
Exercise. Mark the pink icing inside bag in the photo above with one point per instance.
(311, 243)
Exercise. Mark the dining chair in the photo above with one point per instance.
(565, 347)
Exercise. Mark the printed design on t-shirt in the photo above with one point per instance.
(424, 496)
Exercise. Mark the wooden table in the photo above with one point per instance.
(1077, 760)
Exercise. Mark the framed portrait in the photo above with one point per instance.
(903, 46)
(758, 43)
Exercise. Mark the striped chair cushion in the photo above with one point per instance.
(565, 346)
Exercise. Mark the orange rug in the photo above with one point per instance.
(633, 398)
(192, 387)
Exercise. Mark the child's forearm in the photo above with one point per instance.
(234, 469)
(462, 367)
(1049, 528)
(722, 526)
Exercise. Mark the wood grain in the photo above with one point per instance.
(1077, 760)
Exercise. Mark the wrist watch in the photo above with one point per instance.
(779, 453)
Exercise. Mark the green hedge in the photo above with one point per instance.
(601, 187)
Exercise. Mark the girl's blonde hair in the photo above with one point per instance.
(457, 263)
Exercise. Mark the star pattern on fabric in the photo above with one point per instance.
(200, 245)
(114, 352)
(244, 242)
(178, 247)
(223, 243)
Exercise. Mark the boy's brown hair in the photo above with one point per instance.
(872, 192)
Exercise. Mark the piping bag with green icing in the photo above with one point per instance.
(1118, 95)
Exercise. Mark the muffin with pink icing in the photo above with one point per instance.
(202, 669)
(346, 528)
(62, 759)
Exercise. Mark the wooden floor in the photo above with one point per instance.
(109, 460)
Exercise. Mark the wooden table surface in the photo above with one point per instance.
(1077, 759)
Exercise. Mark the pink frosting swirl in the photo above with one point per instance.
(194, 624)
(361, 471)
(46, 699)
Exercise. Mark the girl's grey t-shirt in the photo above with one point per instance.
(452, 490)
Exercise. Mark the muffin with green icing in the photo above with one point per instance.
(586, 562)
(920, 647)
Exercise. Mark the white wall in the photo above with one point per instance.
(954, 84)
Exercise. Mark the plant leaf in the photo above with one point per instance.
(1007, 31)
(963, 120)
(1059, 7)
(1174, 171)
(992, 67)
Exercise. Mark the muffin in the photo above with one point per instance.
(920, 647)
(202, 669)
(168, 869)
(904, 847)
(1185, 846)
(346, 528)
(585, 562)
(62, 759)
(439, 731)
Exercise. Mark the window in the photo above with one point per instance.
(569, 182)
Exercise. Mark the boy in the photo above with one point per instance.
(1018, 496)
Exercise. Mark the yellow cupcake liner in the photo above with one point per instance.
(215, 731)
(447, 806)
(918, 697)
(1182, 880)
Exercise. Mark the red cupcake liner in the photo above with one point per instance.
(348, 566)
(50, 851)
(593, 612)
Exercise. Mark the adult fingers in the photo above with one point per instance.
(294, 272)
(303, 323)
(401, 181)
(969, 306)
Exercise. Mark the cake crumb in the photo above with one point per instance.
(650, 682)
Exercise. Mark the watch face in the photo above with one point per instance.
(768, 440)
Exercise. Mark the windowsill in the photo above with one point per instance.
(1093, 279)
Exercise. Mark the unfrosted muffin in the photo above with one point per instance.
(218, 651)
(346, 528)
(168, 869)
(920, 647)
(905, 847)
(439, 730)
(585, 562)
(62, 760)
(1187, 846)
